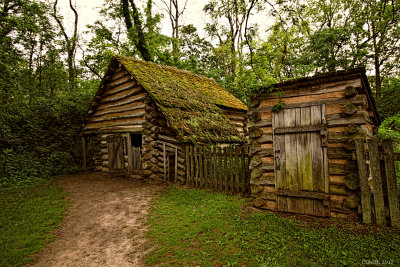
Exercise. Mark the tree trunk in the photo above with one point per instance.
(376, 64)
(70, 43)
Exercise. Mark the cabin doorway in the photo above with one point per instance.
(169, 162)
(115, 155)
(300, 148)
(135, 144)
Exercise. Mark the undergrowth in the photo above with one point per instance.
(27, 217)
(190, 227)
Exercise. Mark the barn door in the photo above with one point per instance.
(115, 155)
(301, 160)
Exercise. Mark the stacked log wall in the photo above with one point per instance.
(118, 106)
(97, 154)
(156, 131)
(347, 119)
(238, 118)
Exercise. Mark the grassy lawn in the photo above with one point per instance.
(190, 227)
(27, 216)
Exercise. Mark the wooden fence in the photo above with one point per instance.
(225, 169)
(384, 185)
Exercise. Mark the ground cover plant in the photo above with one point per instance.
(27, 217)
(191, 227)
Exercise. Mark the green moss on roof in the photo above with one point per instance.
(190, 102)
(171, 85)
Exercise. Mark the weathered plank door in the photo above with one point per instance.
(301, 167)
(136, 161)
(115, 155)
(170, 161)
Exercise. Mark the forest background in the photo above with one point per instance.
(45, 88)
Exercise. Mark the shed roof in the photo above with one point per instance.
(191, 103)
(178, 88)
(331, 77)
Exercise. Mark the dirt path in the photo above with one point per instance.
(104, 225)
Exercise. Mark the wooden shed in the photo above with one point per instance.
(143, 114)
(301, 135)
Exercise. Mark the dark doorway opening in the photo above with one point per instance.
(136, 152)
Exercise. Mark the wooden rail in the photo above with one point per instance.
(384, 185)
(225, 169)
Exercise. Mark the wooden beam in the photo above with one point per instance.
(111, 117)
(299, 129)
(132, 99)
(391, 183)
(306, 89)
(302, 194)
(125, 86)
(128, 107)
(260, 123)
(377, 180)
(119, 81)
(122, 95)
(357, 100)
(336, 120)
(363, 174)
(111, 124)
(118, 74)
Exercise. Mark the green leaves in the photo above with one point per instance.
(39, 140)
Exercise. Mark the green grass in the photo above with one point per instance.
(27, 216)
(191, 227)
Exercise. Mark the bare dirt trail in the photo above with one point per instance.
(104, 225)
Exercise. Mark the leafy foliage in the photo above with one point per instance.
(40, 140)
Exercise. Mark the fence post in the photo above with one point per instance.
(243, 170)
(192, 167)
(206, 166)
(237, 173)
(215, 167)
(165, 162)
(187, 163)
(362, 171)
(200, 148)
(391, 183)
(230, 177)
(220, 170)
(225, 170)
(196, 162)
(377, 180)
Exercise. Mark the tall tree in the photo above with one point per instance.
(175, 13)
(228, 17)
(383, 21)
(26, 34)
(135, 29)
(71, 42)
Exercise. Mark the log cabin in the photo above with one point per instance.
(301, 135)
(143, 114)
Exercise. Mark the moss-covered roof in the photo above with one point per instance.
(190, 102)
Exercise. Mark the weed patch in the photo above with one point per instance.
(191, 227)
(27, 216)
